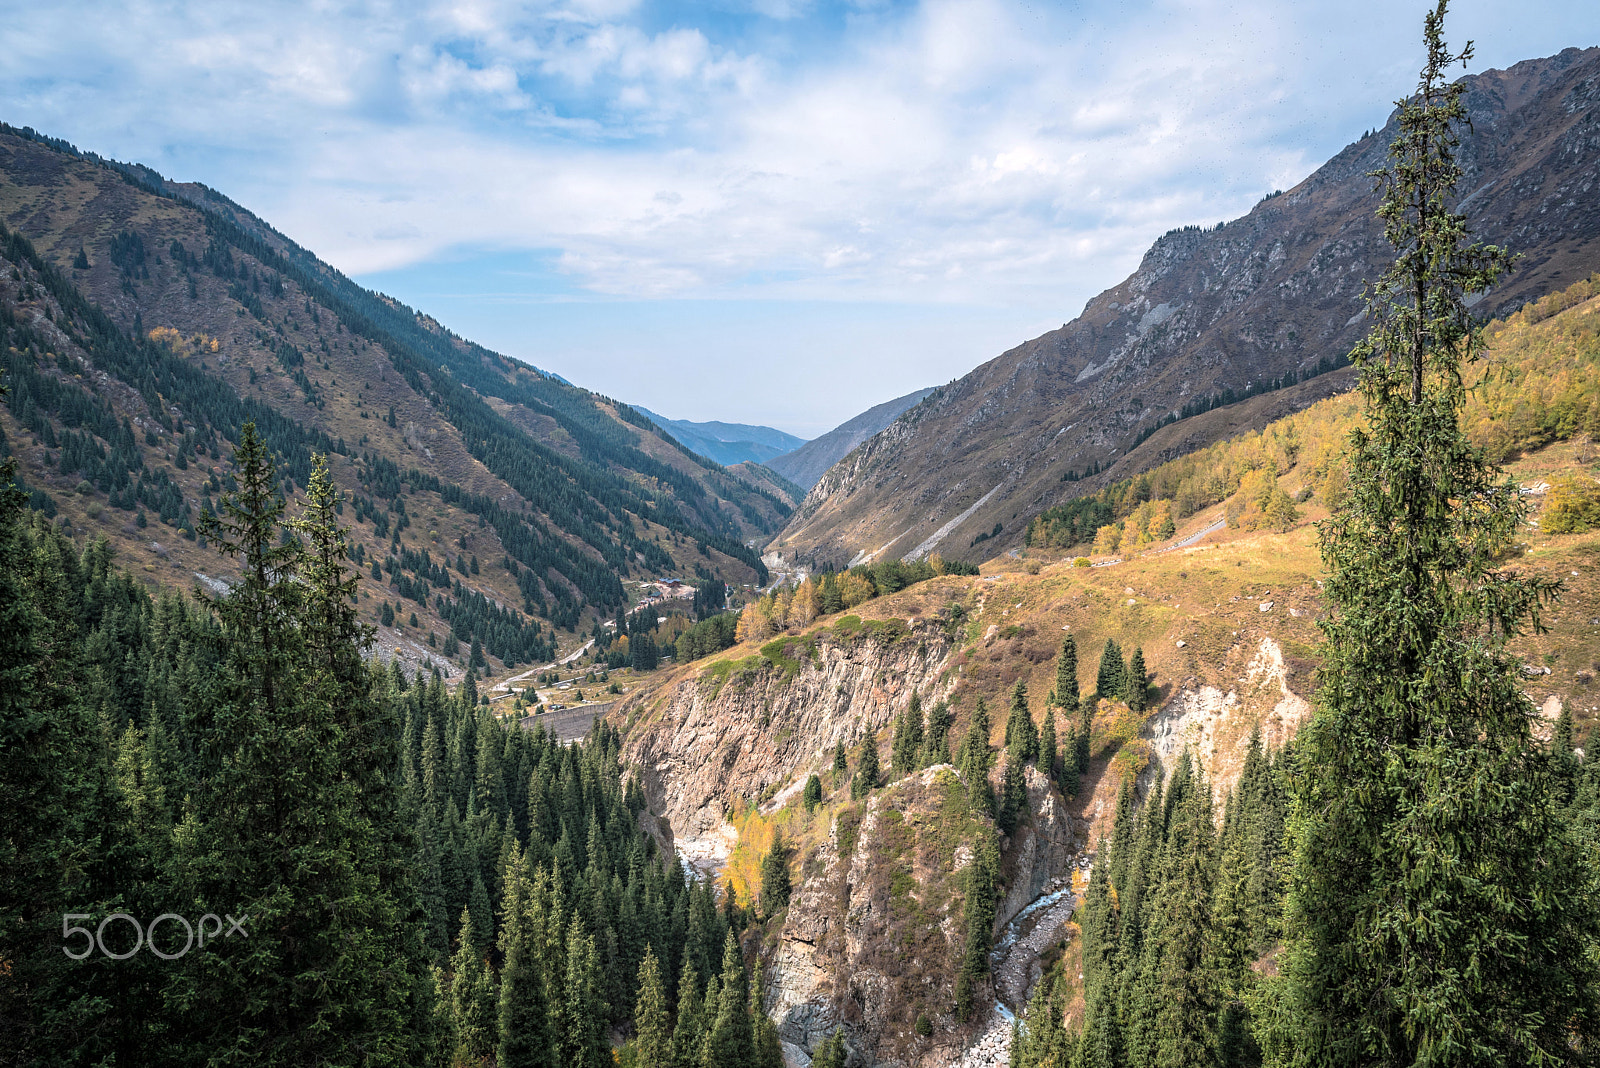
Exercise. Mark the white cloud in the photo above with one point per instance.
(972, 151)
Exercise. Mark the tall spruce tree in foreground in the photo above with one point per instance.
(1439, 912)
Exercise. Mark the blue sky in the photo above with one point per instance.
(766, 211)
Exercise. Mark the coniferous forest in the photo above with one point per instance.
(244, 843)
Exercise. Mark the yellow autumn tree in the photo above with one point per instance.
(803, 609)
(855, 589)
(751, 626)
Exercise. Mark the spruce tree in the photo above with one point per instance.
(1047, 744)
(768, 1048)
(1067, 677)
(936, 740)
(1108, 680)
(775, 877)
(977, 918)
(866, 779)
(811, 796)
(653, 1042)
(1440, 912)
(730, 1039)
(1022, 738)
(686, 1032)
(1136, 686)
(974, 761)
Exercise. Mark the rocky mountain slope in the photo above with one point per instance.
(1226, 623)
(1268, 301)
(804, 465)
(146, 320)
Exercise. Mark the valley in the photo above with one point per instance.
(1033, 719)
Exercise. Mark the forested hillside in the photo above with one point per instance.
(144, 321)
(405, 879)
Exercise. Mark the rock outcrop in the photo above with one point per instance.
(738, 731)
(1215, 726)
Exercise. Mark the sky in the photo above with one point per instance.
(765, 211)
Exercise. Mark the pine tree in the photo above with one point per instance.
(1136, 686)
(811, 796)
(1022, 738)
(775, 877)
(1109, 679)
(866, 779)
(1439, 912)
(653, 1042)
(840, 761)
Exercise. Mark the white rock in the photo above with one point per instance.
(1266, 606)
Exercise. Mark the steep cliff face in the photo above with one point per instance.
(1211, 313)
(872, 941)
(1215, 725)
(739, 730)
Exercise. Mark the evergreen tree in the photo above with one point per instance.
(775, 877)
(907, 745)
(840, 761)
(936, 742)
(687, 1032)
(1022, 738)
(1136, 686)
(978, 924)
(1047, 744)
(1440, 912)
(831, 1054)
(472, 1004)
(811, 796)
(866, 779)
(1109, 679)
(1013, 795)
(730, 1041)
(1066, 692)
(583, 1014)
(974, 761)
(767, 1046)
(653, 1042)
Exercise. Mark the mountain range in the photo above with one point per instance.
(726, 443)
(146, 321)
(804, 465)
(1219, 330)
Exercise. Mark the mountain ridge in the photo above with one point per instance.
(148, 319)
(1211, 316)
(806, 463)
(726, 443)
